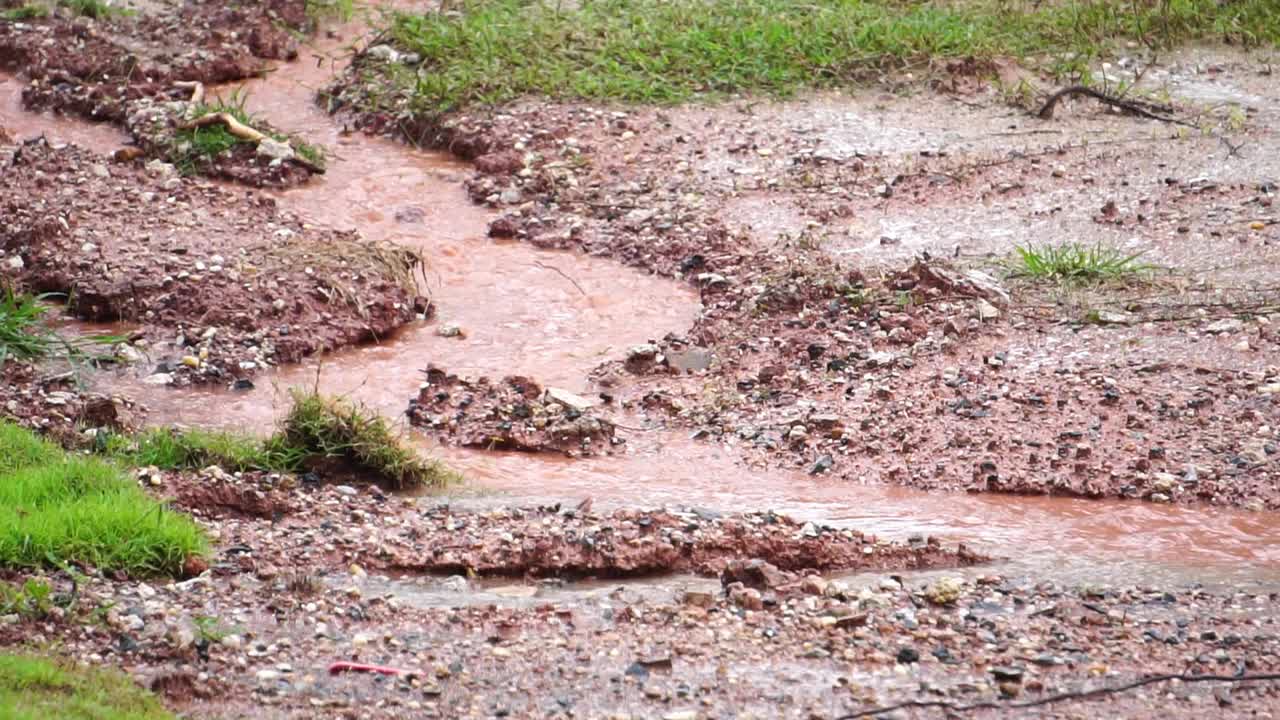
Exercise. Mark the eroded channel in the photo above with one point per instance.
(555, 316)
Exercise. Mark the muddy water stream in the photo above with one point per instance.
(23, 125)
(523, 315)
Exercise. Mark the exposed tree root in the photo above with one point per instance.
(1142, 109)
(952, 708)
(234, 126)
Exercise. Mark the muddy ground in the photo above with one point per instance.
(858, 323)
(206, 284)
(822, 343)
(138, 68)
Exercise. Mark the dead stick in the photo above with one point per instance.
(196, 88)
(234, 126)
(244, 132)
(1046, 111)
(562, 274)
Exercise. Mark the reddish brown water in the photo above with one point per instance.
(22, 125)
(522, 317)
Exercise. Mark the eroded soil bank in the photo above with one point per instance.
(773, 345)
(138, 68)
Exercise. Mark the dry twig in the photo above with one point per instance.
(1060, 697)
(1142, 109)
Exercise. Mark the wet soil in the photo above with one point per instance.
(215, 284)
(132, 68)
(827, 374)
(823, 346)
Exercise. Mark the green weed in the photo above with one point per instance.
(24, 335)
(313, 154)
(335, 429)
(1075, 262)
(30, 11)
(32, 599)
(195, 449)
(316, 430)
(666, 51)
(58, 509)
(33, 688)
(193, 147)
(96, 9)
(341, 10)
(210, 630)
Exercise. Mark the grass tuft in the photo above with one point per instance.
(317, 430)
(333, 428)
(195, 449)
(32, 599)
(1074, 262)
(34, 688)
(666, 51)
(96, 9)
(24, 336)
(29, 11)
(340, 10)
(193, 147)
(57, 509)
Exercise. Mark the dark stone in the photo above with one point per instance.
(908, 655)
(824, 463)
(1007, 673)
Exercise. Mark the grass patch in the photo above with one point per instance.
(57, 509)
(96, 9)
(194, 449)
(195, 146)
(35, 688)
(31, 599)
(333, 428)
(1074, 262)
(25, 336)
(192, 147)
(29, 11)
(666, 51)
(313, 154)
(317, 431)
(340, 10)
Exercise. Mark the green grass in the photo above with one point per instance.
(332, 428)
(195, 449)
(667, 51)
(29, 11)
(58, 509)
(24, 335)
(96, 9)
(341, 10)
(31, 599)
(194, 147)
(313, 154)
(317, 429)
(36, 688)
(1074, 262)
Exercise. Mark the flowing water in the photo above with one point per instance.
(554, 316)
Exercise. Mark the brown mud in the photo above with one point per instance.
(134, 69)
(253, 287)
(823, 353)
(827, 374)
(656, 394)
